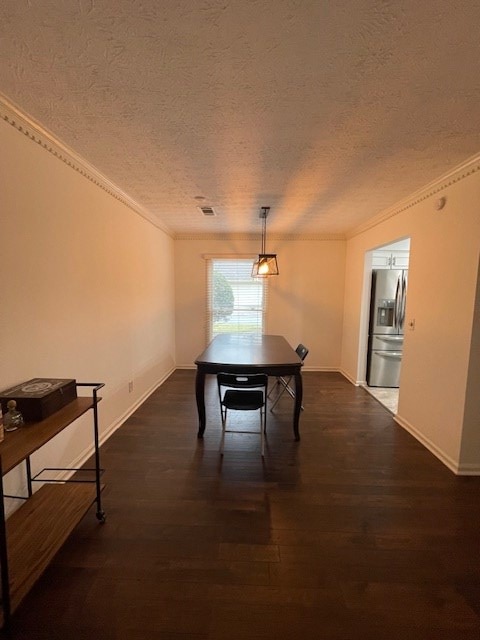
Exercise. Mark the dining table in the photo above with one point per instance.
(248, 353)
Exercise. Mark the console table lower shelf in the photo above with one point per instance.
(38, 529)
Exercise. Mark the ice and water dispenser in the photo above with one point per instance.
(385, 311)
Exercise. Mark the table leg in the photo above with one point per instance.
(200, 395)
(298, 403)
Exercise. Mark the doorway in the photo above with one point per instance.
(384, 319)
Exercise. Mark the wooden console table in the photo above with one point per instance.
(34, 533)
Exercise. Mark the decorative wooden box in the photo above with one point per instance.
(40, 397)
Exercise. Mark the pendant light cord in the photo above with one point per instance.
(265, 211)
(264, 232)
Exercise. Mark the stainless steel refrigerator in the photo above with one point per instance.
(387, 317)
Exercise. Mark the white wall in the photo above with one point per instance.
(87, 289)
(305, 300)
(444, 260)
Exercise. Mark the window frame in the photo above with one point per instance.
(261, 282)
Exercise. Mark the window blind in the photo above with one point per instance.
(236, 302)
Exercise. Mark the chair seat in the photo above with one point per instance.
(243, 392)
(243, 400)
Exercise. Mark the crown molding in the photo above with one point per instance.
(462, 171)
(28, 127)
(325, 237)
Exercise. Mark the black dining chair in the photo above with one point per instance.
(283, 384)
(243, 392)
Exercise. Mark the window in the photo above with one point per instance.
(236, 301)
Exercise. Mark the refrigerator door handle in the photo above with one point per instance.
(396, 305)
(389, 354)
(403, 300)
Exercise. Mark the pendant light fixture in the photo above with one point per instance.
(266, 264)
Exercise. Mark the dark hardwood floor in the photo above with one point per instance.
(356, 532)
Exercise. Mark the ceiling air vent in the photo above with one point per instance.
(207, 211)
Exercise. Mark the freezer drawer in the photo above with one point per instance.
(384, 369)
(386, 343)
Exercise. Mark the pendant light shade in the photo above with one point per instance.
(266, 264)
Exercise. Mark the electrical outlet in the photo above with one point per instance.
(130, 386)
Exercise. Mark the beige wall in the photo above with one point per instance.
(87, 287)
(305, 300)
(443, 274)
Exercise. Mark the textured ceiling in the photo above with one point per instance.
(327, 111)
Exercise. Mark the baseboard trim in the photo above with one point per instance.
(187, 367)
(138, 402)
(448, 461)
(349, 377)
(459, 469)
(468, 469)
(116, 424)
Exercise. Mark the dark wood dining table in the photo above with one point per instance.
(248, 353)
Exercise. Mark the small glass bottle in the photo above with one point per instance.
(13, 418)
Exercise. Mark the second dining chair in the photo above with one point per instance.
(283, 384)
(243, 392)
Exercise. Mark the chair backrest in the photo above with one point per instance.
(302, 351)
(242, 380)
